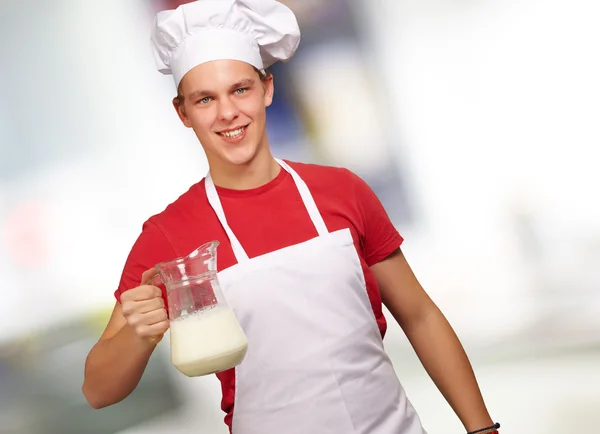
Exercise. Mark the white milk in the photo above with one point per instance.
(207, 341)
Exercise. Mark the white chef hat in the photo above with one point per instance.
(258, 32)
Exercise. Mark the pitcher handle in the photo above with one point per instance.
(154, 276)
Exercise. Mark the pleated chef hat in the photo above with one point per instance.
(258, 32)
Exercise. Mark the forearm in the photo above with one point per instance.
(114, 367)
(446, 362)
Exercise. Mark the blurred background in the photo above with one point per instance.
(476, 123)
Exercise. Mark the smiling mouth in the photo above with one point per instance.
(232, 134)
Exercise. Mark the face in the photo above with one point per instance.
(225, 104)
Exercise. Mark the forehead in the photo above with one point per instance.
(216, 75)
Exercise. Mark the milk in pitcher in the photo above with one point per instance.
(207, 341)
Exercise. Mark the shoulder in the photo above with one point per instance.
(332, 181)
(331, 177)
(319, 169)
(188, 206)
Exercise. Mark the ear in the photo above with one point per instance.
(269, 89)
(180, 109)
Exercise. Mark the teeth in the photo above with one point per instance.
(233, 133)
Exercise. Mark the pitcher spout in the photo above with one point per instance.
(205, 250)
(199, 262)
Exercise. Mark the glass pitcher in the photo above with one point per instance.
(205, 334)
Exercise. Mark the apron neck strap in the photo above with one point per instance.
(307, 199)
(215, 203)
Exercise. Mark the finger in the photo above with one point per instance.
(144, 292)
(153, 330)
(148, 276)
(138, 320)
(154, 317)
(146, 306)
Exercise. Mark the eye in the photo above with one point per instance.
(204, 100)
(241, 90)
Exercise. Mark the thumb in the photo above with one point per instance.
(149, 276)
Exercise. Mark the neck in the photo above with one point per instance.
(257, 172)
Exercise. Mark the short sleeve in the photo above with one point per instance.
(380, 238)
(151, 248)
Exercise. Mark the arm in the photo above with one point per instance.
(116, 363)
(433, 339)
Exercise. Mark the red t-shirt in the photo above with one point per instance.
(266, 219)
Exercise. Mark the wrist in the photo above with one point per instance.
(479, 419)
(492, 429)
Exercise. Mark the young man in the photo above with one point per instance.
(310, 255)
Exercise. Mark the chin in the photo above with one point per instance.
(240, 156)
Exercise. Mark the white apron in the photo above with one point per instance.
(315, 362)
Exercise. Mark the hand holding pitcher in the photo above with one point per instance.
(144, 309)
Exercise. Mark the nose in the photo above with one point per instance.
(228, 110)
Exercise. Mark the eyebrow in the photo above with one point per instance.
(246, 82)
